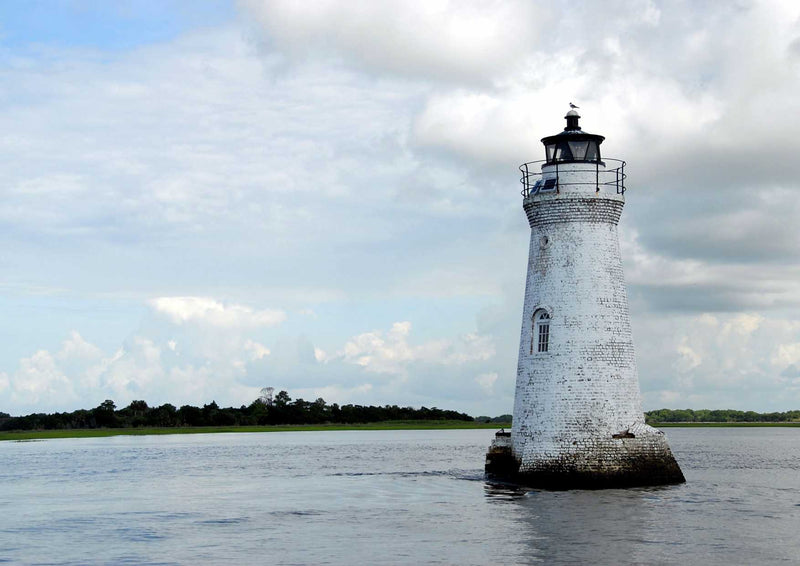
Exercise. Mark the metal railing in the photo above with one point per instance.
(534, 181)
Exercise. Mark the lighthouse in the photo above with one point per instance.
(578, 420)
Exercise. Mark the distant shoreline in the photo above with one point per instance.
(388, 425)
(148, 431)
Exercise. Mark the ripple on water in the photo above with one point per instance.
(388, 497)
(221, 522)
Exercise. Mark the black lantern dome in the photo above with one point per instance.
(573, 144)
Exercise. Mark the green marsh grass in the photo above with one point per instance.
(101, 432)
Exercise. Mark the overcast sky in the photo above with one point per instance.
(198, 200)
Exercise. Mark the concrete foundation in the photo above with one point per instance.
(617, 463)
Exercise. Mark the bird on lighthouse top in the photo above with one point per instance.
(573, 106)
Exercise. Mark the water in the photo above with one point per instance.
(385, 497)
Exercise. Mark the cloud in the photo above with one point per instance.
(257, 351)
(432, 39)
(720, 360)
(76, 347)
(786, 356)
(203, 310)
(141, 369)
(486, 381)
(46, 380)
(172, 363)
(682, 92)
(679, 282)
(392, 353)
(359, 162)
(707, 228)
(39, 381)
(134, 370)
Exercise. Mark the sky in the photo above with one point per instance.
(201, 199)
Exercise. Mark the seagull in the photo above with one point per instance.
(573, 106)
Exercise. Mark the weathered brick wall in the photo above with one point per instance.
(571, 400)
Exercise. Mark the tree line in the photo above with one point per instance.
(502, 419)
(283, 410)
(718, 416)
(278, 411)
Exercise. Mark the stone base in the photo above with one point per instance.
(618, 462)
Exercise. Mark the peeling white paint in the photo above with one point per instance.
(578, 406)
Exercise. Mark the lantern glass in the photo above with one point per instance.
(578, 149)
(592, 152)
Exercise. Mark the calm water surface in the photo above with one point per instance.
(385, 497)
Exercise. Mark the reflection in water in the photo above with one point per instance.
(740, 505)
(504, 491)
(580, 526)
(586, 527)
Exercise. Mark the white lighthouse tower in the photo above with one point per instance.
(578, 418)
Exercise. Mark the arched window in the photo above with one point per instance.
(540, 337)
(543, 326)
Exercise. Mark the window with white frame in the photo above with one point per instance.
(540, 335)
(543, 332)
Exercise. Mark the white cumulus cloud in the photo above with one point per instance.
(257, 351)
(464, 40)
(391, 352)
(486, 381)
(204, 310)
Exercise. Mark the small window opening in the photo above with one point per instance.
(540, 337)
(549, 185)
(544, 332)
